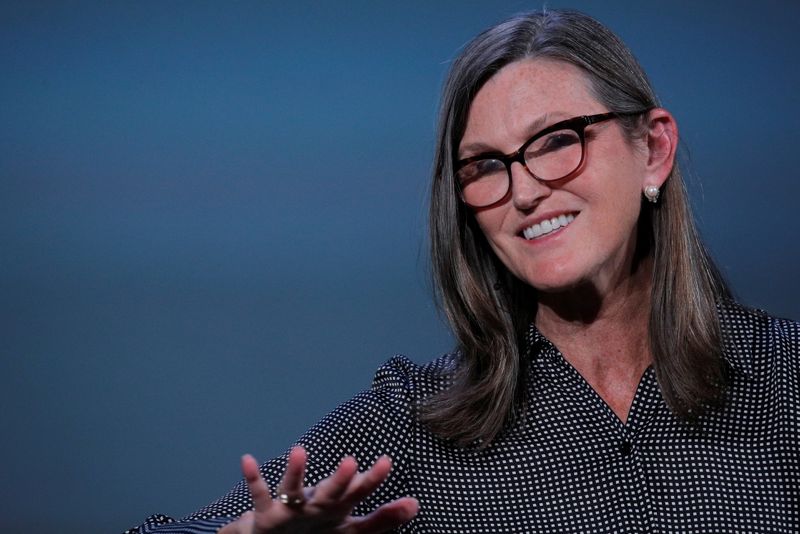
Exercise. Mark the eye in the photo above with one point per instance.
(480, 169)
(553, 142)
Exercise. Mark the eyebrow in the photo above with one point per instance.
(477, 148)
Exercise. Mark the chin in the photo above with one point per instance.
(555, 288)
(554, 282)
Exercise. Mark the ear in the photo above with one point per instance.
(662, 143)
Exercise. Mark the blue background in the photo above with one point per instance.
(212, 219)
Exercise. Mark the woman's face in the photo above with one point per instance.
(597, 246)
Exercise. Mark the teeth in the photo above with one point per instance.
(547, 226)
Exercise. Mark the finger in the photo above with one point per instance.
(292, 482)
(389, 516)
(331, 490)
(259, 490)
(365, 483)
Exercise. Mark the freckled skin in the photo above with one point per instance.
(591, 303)
(597, 248)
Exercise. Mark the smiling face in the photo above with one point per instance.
(558, 235)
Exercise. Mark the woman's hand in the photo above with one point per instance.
(324, 508)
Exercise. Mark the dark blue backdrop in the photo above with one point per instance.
(212, 219)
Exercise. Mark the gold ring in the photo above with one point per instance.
(290, 500)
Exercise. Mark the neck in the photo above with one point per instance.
(623, 302)
(603, 333)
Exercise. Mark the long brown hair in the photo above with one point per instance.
(490, 311)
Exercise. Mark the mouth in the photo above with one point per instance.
(547, 226)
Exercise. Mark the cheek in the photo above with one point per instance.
(623, 209)
(618, 200)
(614, 223)
(490, 223)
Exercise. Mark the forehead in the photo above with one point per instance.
(525, 95)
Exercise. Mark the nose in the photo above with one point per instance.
(526, 191)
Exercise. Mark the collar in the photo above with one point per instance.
(538, 347)
(738, 326)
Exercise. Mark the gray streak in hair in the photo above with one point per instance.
(487, 391)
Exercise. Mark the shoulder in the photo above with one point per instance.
(379, 420)
(398, 387)
(756, 342)
(401, 377)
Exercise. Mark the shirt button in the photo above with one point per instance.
(626, 448)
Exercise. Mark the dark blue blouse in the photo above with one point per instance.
(571, 465)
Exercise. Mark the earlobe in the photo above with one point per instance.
(662, 144)
(651, 193)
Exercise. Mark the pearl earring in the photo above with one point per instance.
(651, 192)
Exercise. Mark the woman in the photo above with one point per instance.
(604, 381)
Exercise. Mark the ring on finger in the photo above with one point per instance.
(292, 501)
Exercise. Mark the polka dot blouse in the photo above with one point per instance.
(571, 465)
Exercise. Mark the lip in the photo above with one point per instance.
(545, 216)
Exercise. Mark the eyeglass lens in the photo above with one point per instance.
(550, 157)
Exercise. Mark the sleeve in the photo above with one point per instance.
(371, 424)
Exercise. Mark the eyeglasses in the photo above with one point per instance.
(555, 153)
